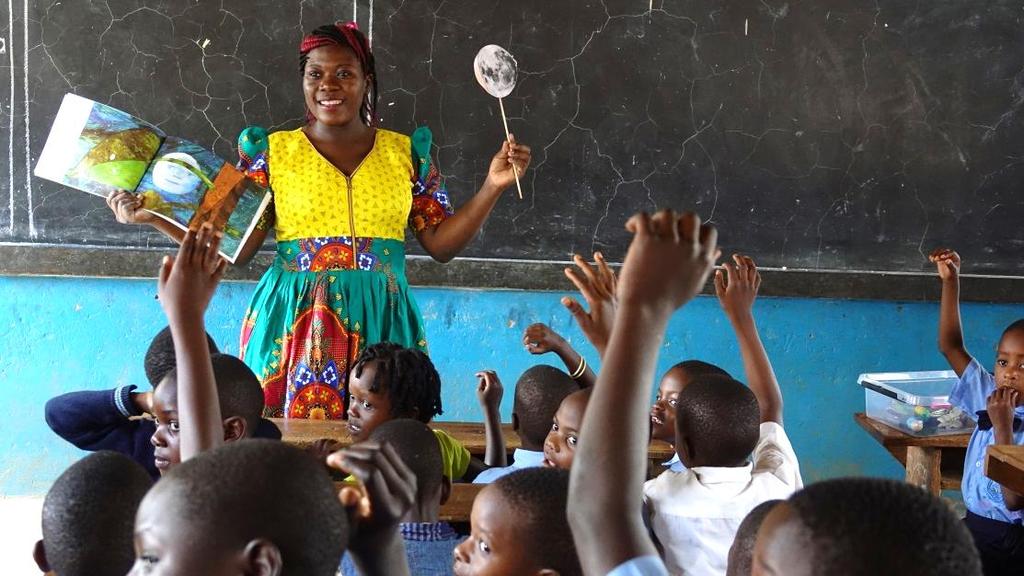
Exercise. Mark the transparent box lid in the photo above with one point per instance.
(930, 388)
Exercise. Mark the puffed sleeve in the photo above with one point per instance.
(253, 159)
(430, 202)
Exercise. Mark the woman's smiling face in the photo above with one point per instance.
(334, 85)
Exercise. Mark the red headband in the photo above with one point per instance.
(347, 29)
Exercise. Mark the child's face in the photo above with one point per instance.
(663, 413)
(165, 440)
(560, 445)
(782, 545)
(1009, 369)
(494, 545)
(366, 410)
(166, 546)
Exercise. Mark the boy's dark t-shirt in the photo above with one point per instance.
(95, 420)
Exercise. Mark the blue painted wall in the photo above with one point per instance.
(63, 334)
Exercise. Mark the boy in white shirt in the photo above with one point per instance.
(695, 514)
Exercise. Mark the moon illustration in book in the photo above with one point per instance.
(495, 69)
(173, 178)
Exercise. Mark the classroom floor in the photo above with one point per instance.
(19, 531)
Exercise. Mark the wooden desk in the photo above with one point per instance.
(302, 433)
(459, 504)
(1005, 464)
(934, 463)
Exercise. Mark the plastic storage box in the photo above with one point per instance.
(915, 402)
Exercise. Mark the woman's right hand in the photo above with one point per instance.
(127, 208)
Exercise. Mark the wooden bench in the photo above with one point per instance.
(303, 433)
(459, 504)
(1005, 465)
(934, 463)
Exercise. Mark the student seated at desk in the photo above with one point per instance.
(564, 436)
(663, 411)
(994, 512)
(429, 543)
(695, 514)
(539, 392)
(863, 527)
(88, 515)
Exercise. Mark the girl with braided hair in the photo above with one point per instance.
(344, 191)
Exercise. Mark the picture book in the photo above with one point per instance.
(99, 149)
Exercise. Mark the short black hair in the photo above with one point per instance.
(720, 417)
(539, 392)
(867, 526)
(418, 448)
(89, 515)
(407, 376)
(160, 357)
(1015, 326)
(695, 368)
(238, 390)
(539, 496)
(741, 553)
(262, 489)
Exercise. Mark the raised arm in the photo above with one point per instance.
(667, 263)
(951, 334)
(186, 285)
(598, 288)
(488, 392)
(444, 241)
(540, 339)
(736, 285)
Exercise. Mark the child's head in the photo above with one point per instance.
(663, 412)
(519, 528)
(387, 382)
(855, 526)
(560, 444)
(242, 505)
(717, 422)
(1009, 368)
(416, 445)
(241, 403)
(160, 358)
(741, 553)
(539, 392)
(88, 516)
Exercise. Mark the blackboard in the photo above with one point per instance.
(831, 135)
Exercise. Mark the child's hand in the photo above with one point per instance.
(947, 262)
(598, 289)
(187, 283)
(489, 389)
(540, 339)
(323, 448)
(143, 401)
(668, 261)
(127, 208)
(1001, 404)
(737, 286)
(387, 491)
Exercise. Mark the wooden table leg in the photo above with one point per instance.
(924, 468)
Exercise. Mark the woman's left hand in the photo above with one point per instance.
(500, 175)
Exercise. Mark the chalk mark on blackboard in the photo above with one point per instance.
(369, 35)
(10, 120)
(28, 133)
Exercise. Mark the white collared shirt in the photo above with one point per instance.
(520, 459)
(695, 513)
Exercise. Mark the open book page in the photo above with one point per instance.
(188, 186)
(97, 149)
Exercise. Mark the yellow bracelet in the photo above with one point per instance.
(580, 369)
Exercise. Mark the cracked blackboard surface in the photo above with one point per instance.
(831, 135)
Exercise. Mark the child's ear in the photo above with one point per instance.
(261, 558)
(234, 428)
(39, 555)
(515, 422)
(446, 489)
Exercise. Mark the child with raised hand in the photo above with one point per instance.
(863, 527)
(668, 262)
(539, 338)
(695, 513)
(519, 528)
(88, 515)
(994, 512)
(663, 411)
(539, 393)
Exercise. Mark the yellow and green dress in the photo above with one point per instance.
(338, 282)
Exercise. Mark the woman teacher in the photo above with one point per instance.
(344, 191)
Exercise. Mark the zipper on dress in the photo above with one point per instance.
(352, 224)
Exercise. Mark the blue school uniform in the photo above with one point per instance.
(429, 549)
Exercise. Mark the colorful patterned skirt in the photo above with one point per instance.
(316, 308)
